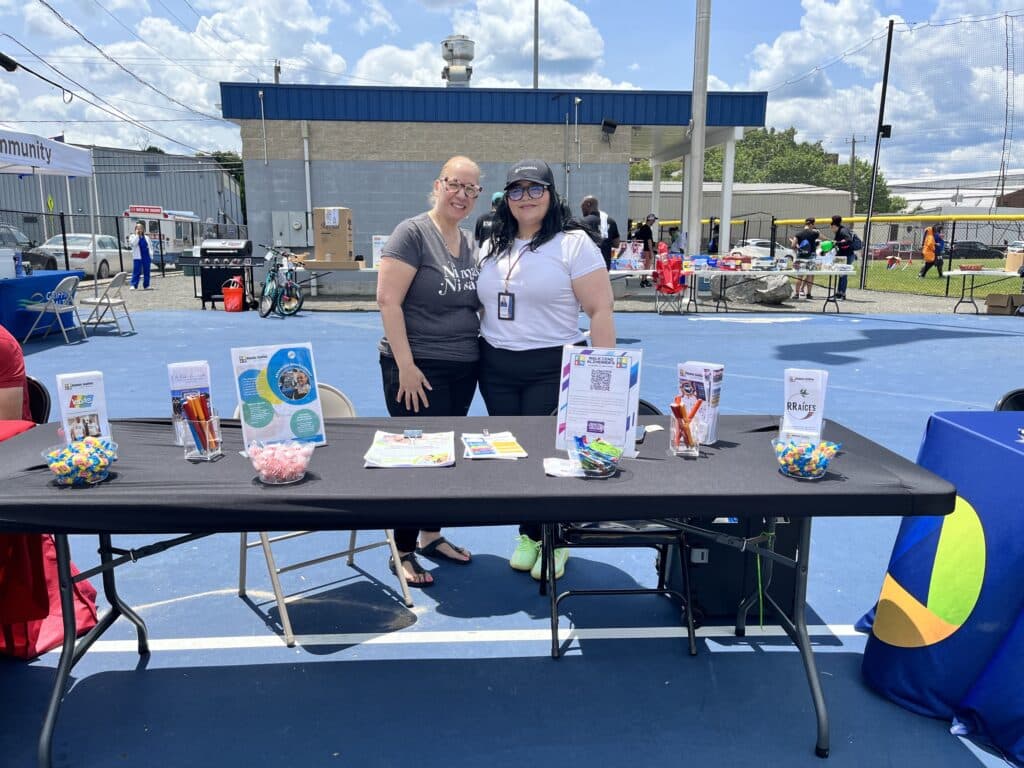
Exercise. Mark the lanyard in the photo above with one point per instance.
(512, 264)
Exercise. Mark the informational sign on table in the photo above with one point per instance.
(276, 387)
(599, 396)
(804, 404)
(83, 405)
(191, 378)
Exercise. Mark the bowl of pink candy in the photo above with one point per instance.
(280, 463)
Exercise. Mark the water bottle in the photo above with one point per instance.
(19, 268)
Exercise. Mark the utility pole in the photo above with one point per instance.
(536, 44)
(277, 72)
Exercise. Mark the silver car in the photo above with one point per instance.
(760, 248)
(80, 255)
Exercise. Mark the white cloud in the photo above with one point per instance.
(41, 21)
(634, 67)
(375, 15)
(392, 65)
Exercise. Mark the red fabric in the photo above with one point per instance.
(667, 276)
(27, 639)
(10, 428)
(12, 369)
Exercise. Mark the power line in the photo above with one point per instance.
(120, 66)
(213, 31)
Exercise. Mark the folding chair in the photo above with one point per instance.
(335, 405)
(1011, 401)
(668, 287)
(60, 301)
(38, 400)
(630, 534)
(107, 304)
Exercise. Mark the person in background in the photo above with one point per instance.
(426, 291)
(13, 388)
(603, 226)
(930, 251)
(845, 254)
(678, 244)
(537, 271)
(141, 259)
(805, 243)
(646, 236)
(485, 222)
(713, 239)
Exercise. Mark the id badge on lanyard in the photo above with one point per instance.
(507, 299)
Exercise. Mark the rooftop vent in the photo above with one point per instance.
(458, 51)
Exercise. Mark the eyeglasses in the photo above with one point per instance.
(535, 191)
(453, 185)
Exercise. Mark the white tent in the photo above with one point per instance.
(24, 153)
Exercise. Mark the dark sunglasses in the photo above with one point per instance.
(535, 191)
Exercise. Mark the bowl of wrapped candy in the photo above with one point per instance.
(804, 460)
(280, 463)
(82, 462)
(596, 458)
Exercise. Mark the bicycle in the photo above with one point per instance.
(281, 292)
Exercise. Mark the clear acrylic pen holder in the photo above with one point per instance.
(685, 437)
(203, 439)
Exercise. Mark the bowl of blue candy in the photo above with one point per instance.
(596, 458)
(81, 462)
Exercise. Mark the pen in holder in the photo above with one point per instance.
(202, 429)
(684, 438)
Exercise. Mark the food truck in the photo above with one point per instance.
(169, 232)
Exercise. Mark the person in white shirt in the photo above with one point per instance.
(536, 271)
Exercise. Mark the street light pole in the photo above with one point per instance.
(536, 44)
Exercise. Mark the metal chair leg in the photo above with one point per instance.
(286, 624)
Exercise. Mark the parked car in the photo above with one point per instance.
(1017, 246)
(13, 239)
(891, 249)
(972, 249)
(757, 247)
(80, 253)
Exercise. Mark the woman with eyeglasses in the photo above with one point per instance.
(539, 267)
(426, 291)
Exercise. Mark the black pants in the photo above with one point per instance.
(520, 384)
(453, 386)
(929, 264)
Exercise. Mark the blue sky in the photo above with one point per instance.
(819, 60)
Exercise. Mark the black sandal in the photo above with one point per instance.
(432, 551)
(418, 569)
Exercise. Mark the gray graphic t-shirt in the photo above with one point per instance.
(440, 307)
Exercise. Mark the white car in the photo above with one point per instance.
(80, 253)
(1017, 246)
(759, 248)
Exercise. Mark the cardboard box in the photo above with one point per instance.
(332, 235)
(1003, 303)
(1014, 261)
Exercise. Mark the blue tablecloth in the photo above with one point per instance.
(948, 636)
(16, 292)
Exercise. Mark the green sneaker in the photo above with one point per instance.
(525, 554)
(561, 555)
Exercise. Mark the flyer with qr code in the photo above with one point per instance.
(599, 396)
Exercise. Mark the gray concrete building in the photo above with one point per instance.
(377, 150)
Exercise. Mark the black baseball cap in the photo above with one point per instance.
(536, 171)
(651, 217)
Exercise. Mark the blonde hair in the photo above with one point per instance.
(446, 169)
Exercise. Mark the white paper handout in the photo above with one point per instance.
(492, 445)
(83, 405)
(276, 387)
(702, 381)
(804, 405)
(599, 396)
(428, 449)
(191, 378)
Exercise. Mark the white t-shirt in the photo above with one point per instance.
(546, 310)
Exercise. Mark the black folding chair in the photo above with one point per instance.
(620, 534)
(38, 400)
(1011, 401)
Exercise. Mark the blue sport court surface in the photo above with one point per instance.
(465, 676)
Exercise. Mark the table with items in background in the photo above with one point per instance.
(153, 491)
(947, 635)
(17, 292)
(967, 286)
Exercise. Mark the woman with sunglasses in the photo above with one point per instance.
(539, 267)
(426, 291)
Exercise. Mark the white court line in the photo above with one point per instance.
(460, 636)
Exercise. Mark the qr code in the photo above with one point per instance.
(600, 381)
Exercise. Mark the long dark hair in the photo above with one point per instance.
(558, 218)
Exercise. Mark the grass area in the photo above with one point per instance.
(900, 280)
